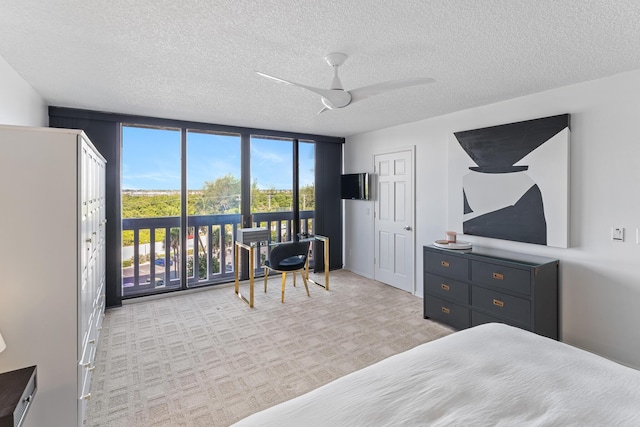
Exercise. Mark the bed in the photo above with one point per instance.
(491, 374)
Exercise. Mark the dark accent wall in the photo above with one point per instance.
(104, 131)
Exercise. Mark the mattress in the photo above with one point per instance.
(488, 375)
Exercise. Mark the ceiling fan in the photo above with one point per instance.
(337, 97)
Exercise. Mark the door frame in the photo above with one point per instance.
(374, 190)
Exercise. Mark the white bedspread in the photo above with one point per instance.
(493, 375)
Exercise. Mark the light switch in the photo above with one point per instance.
(617, 234)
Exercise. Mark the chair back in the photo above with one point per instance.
(284, 251)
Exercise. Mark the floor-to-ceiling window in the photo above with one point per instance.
(150, 209)
(307, 181)
(213, 182)
(182, 202)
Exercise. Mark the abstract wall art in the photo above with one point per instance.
(511, 181)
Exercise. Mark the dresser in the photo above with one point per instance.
(52, 289)
(482, 285)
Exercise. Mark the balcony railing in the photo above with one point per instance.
(155, 267)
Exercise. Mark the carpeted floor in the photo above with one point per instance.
(207, 359)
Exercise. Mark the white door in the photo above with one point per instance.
(393, 224)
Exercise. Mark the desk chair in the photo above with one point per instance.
(288, 257)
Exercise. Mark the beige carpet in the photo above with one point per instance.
(207, 359)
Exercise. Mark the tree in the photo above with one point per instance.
(175, 245)
(202, 266)
(220, 196)
(308, 197)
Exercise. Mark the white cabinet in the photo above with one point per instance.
(52, 263)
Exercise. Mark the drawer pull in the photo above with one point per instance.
(498, 303)
(444, 287)
(444, 264)
(498, 276)
(445, 310)
(86, 396)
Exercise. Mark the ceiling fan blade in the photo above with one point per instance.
(326, 93)
(378, 88)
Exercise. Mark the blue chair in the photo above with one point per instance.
(285, 258)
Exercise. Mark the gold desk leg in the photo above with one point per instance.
(235, 267)
(326, 264)
(251, 274)
(325, 243)
(237, 284)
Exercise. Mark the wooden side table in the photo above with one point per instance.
(17, 389)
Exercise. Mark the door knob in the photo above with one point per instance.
(408, 228)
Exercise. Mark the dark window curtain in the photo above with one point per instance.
(328, 204)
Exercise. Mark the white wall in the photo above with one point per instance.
(20, 104)
(599, 278)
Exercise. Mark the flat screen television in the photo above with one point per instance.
(354, 186)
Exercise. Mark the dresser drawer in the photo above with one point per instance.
(446, 265)
(510, 278)
(502, 306)
(446, 288)
(446, 312)
(481, 318)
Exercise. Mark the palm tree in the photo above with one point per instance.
(175, 246)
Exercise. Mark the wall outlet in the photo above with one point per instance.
(617, 234)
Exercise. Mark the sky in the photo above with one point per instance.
(151, 160)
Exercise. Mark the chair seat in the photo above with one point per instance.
(291, 263)
(288, 264)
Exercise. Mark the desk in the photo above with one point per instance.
(251, 249)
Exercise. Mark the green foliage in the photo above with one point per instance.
(202, 266)
(220, 196)
(217, 197)
(150, 206)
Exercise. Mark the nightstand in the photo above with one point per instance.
(17, 389)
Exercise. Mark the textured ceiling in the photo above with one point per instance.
(195, 60)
